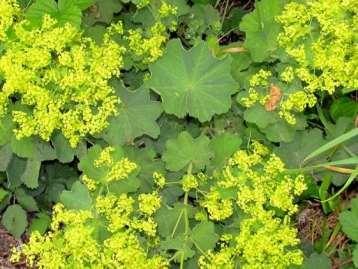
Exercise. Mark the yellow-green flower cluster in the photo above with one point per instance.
(287, 104)
(322, 37)
(149, 203)
(148, 45)
(263, 187)
(9, 10)
(142, 3)
(90, 183)
(218, 208)
(189, 182)
(118, 169)
(298, 102)
(166, 10)
(222, 259)
(159, 180)
(73, 243)
(61, 80)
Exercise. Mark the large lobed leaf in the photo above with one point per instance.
(193, 81)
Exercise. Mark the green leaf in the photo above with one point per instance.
(281, 131)
(103, 11)
(317, 261)
(15, 220)
(77, 198)
(23, 171)
(86, 164)
(64, 152)
(184, 150)
(137, 116)
(83, 4)
(349, 221)
(303, 143)
(99, 174)
(335, 142)
(259, 116)
(232, 21)
(204, 236)
(33, 148)
(193, 82)
(343, 107)
(40, 223)
(31, 174)
(355, 256)
(3, 194)
(181, 245)
(6, 127)
(224, 146)
(26, 201)
(5, 156)
(14, 171)
(64, 11)
(148, 163)
(126, 185)
(261, 29)
(170, 220)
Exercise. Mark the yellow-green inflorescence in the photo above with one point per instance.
(9, 10)
(148, 45)
(263, 188)
(105, 236)
(63, 81)
(321, 39)
(120, 231)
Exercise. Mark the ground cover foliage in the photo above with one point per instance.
(179, 134)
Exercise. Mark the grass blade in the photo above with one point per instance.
(332, 144)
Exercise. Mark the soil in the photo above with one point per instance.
(7, 242)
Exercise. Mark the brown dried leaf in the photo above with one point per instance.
(274, 99)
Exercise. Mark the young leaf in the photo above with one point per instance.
(77, 198)
(185, 149)
(193, 82)
(15, 220)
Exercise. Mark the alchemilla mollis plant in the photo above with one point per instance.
(179, 134)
